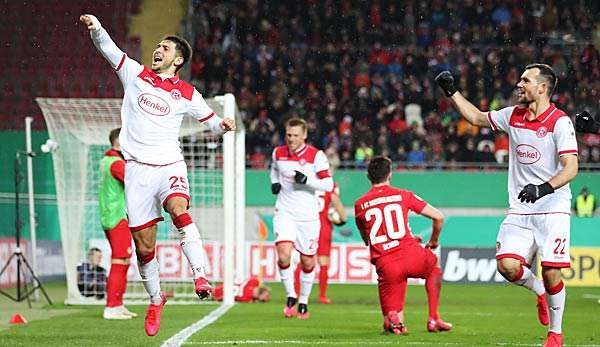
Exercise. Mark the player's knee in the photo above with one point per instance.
(508, 268)
(176, 206)
(144, 252)
(283, 263)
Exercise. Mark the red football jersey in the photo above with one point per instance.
(382, 215)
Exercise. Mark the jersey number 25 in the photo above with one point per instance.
(393, 218)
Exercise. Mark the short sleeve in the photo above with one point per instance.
(322, 165)
(564, 136)
(199, 109)
(117, 170)
(415, 202)
(128, 70)
(500, 120)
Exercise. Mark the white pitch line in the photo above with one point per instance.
(360, 343)
(179, 338)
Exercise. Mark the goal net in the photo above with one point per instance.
(216, 175)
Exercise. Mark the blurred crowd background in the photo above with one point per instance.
(361, 72)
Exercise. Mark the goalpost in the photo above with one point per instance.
(216, 174)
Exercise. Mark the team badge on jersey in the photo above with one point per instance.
(541, 132)
(176, 94)
(302, 161)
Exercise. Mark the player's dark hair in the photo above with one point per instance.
(294, 122)
(547, 74)
(182, 47)
(94, 249)
(379, 169)
(114, 135)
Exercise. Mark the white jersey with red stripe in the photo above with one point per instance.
(153, 107)
(535, 150)
(298, 200)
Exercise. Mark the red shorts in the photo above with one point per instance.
(119, 239)
(394, 269)
(325, 233)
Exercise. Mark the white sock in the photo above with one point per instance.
(529, 281)
(191, 244)
(556, 307)
(287, 278)
(306, 282)
(151, 280)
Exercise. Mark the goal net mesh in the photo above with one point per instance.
(81, 128)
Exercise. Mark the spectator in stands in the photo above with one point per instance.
(355, 60)
(91, 277)
(585, 203)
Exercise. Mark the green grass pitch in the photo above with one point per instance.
(483, 315)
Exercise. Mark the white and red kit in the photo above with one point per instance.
(325, 233)
(535, 150)
(296, 217)
(151, 115)
(381, 215)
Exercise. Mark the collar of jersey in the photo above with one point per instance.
(113, 153)
(543, 116)
(299, 152)
(173, 79)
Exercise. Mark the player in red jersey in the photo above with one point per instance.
(382, 218)
(250, 290)
(331, 211)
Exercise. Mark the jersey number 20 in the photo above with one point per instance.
(394, 226)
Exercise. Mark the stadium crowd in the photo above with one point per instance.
(361, 73)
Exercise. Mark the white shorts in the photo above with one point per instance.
(521, 236)
(147, 189)
(303, 234)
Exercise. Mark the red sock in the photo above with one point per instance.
(323, 276)
(297, 279)
(433, 285)
(116, 283)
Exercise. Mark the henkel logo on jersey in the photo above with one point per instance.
(527, 154)
(153, 104)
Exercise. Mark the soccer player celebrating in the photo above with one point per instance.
(331, 211)
(154, 104)
(542, 162)
(113, 218)
(381, 216)
(297, 171)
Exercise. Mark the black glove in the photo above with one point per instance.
(275, 188)
(300, 178)
(446, 82)
(585, 123)
(531, 192)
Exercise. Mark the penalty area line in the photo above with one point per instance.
(180, 338)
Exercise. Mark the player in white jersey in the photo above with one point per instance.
(297, 171)
(154, 104)
(542, 162)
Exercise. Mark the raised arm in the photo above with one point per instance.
(102, 41)
(471, 113)
(437, 219)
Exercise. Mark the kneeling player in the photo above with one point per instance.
(382, 218)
